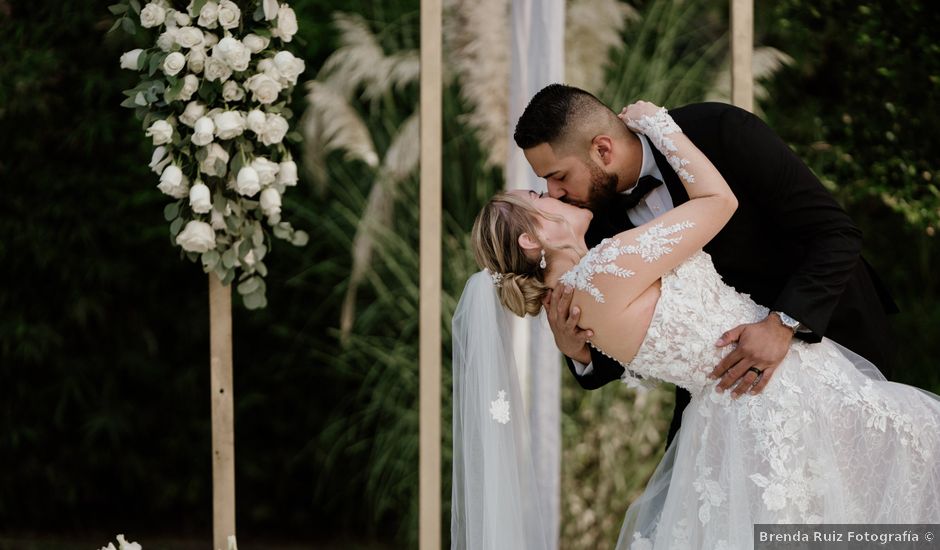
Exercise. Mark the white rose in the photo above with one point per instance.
(266, 170)
(196, 237)
(256, 43)
(159, 160)
(174, 63)
(270, 9)
(167, 39)
(268, 67)
(190, 85)
(129, 59)
(256, 120)
(287, 173)
(247, 183)
(173, 182)
(240, 58)
(200, 198)
(215, 156)
(231, 91)
(286, 24)
(196, 60)
(288, 66)
(208, 15)
(275, 128)
(203, 131)
(193, 112)
(264, 89)
(217, 69)
(226, 47)
(152, 15)
(228, 14)
(161, 132)
(271, 202)
(189, 37)
(182, 19)
(229, 124)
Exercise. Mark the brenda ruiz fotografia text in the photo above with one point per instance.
(773, 537)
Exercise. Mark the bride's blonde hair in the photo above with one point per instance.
(496, 246)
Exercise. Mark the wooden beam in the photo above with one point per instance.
(223, 425)
(429, 463)
(742, 53)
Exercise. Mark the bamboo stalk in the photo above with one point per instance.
(429, 462)
(223, 432)
(742, 51)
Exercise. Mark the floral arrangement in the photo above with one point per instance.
(213, 97)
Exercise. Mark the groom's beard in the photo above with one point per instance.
(603, 189)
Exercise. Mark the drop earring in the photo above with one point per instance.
(543, 264)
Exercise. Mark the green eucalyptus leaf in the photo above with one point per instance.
(257, 235)
(248, 286)
(117, 9)
(244, 248)
(114, 27)
(210, 259)
(260, 252)
(128, 25)
(228, 258)
(140, 100)
(129, 102)
(135, 5)
(197, 7)
(281, 233)
(175, 227)
(171, 211)
(255, 300)
(261, 269)
(142, 61)
(294, 137)
(229, 277)
(221, 168)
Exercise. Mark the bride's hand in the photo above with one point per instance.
(636, 111)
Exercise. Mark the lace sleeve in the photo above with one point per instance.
(657, 128)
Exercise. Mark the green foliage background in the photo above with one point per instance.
(104, 409)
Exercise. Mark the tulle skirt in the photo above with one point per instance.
(828, 441)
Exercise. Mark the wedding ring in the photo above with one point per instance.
(756, 371)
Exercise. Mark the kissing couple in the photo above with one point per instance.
(690, 247)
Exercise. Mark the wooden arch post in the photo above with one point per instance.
(742, 53)
(429, 462)
(223, 416)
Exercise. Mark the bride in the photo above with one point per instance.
(829, 440)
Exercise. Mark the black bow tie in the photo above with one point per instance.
(643, 188)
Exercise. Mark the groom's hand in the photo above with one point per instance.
(762, 346)
(563, 319)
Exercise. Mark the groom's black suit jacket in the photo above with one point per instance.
(789, 244)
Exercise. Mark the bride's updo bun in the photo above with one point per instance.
(495, 238)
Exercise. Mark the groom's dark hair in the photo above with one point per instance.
(563, 115)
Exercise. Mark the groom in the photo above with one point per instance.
(789, 244)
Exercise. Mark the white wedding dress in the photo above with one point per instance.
(828, 440)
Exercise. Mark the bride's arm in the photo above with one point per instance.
(644, 254)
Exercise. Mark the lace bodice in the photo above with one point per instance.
(695, 307)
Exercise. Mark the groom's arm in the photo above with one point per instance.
(599, 372)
